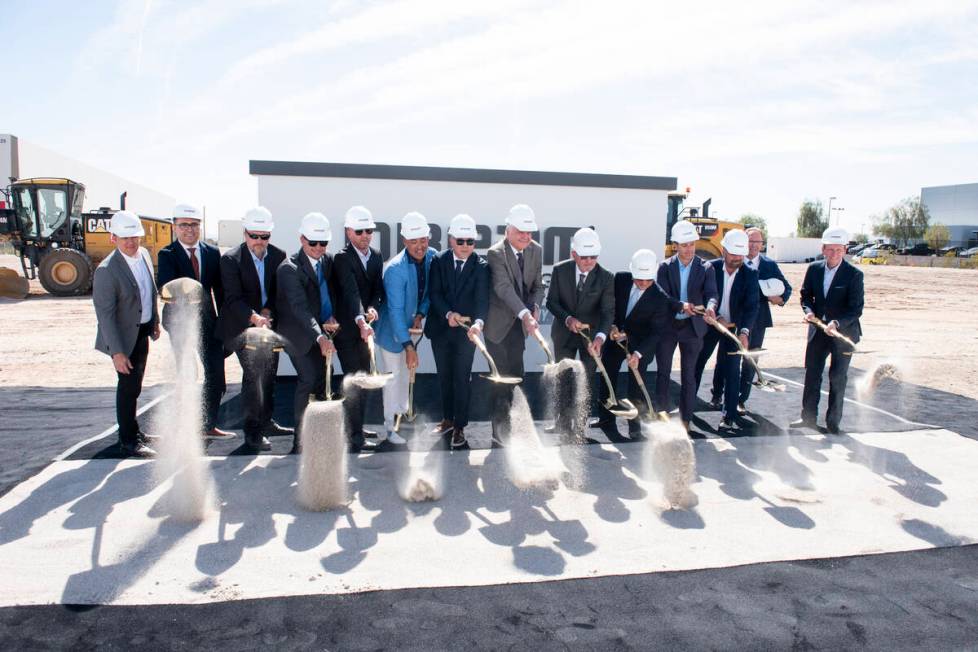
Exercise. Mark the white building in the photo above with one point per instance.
(956, 207)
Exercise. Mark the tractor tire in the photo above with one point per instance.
(66, 272)
(705, 254)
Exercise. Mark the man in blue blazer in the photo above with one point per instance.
(738, 289)
(190, 257)
(459, 288)
(685, 277)
(406, 287)
(304, 305)
(832, 292)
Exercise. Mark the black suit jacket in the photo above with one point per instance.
(358, 289)
(701, 288)
(466, 294)
(844, 302)
(595, 305)
(242, 291)
(297, 301)
(173, 262)
(743, 294)
(652, 313)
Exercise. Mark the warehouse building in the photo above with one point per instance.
(956, 207)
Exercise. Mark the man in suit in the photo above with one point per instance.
(359, 270)
(125, 305)
(459, 288)
(516, 275)
(581, 292)
(832, 292)
(686, 277)
(738, 289)
(190, 257)
(306, 296)
(406, 287)
(249, 281)
(642, 313)
(766, 269)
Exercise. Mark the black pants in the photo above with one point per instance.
(820, 346)
(258, 370)
(453, 361)
(508, 356)
(612, 356)
(726, 375)
(130, 386)
(573, 348)
(211, 352)
(310, 380)
(747, 372)
(354, 356)
(682, 334)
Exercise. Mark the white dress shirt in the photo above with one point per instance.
(144, 279)
(728, 281)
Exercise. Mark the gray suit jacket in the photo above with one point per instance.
(595, 305)
(505, 300)
(117, 304)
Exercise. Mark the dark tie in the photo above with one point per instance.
(580, 282)
(519, 261)
(458, 267)
(194, 262)
(325, 305)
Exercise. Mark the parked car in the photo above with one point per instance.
(886, 246)
(949, 251)
(968, 253)
(855, 249)
(919, 249)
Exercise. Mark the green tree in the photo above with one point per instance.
(861, 238)
(750, 219)
(937, 236)
(810, 220)
(904, 223)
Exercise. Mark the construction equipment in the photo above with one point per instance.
(710, 229)
(620, 408)
(56, 241)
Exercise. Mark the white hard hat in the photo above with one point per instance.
(125, 224)
(358, 217)
(835, 235)
(771, 287)
(684, 231)
(414, 226)
(521, 217)
(186, 211)
(586, 242)
(735, 242)
(644, 265)
(315, 226)
(258, 218)
(462, 226)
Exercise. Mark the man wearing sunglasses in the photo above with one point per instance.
(459, 288)
(306, 296)
(190, 257)
(248, 277)
(581, 293)
(406, 287)
(359, 270)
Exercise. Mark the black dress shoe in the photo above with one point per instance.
(138, 449)
(255, 445)
(275, 430)
(716, 403)
(370, 434)
(496, 443)
(727, 424)
(146, 438)
(458, 439)
(802, 423)
(834, 430)
(741, 409)
(296, 449)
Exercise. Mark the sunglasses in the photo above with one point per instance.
(318, 243)
(255, 236)
(362, 231)
(465, 241)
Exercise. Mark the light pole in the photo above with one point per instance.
(838, 221)
(828, 213)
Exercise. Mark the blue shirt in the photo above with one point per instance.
(260, 268)
(683, 283)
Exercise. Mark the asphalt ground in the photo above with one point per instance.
(925, 599)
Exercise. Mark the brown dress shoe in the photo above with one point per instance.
(458, 438)
(217, 433)
(444, 426)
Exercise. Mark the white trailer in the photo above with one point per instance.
(628, 212)
(793, 250)
(229, 234)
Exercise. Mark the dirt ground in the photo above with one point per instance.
(919, 316)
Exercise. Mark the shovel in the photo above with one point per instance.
(494, 375)
(413, 333)
(762, 382)
(821, 325)
(620, 341)
(381, 378)
(546, 347)
(329, 330)
(182, 291)
(620, 408)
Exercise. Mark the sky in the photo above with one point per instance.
(759, 105)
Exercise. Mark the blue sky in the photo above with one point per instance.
(759, 104)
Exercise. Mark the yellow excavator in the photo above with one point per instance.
(42, 218)
(711, 229)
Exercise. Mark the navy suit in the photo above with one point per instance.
(687, 334)
(174, 263)
(743, 313)
(843, 304)
(644, 325)
(467, 293)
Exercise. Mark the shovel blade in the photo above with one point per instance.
(503, 380)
